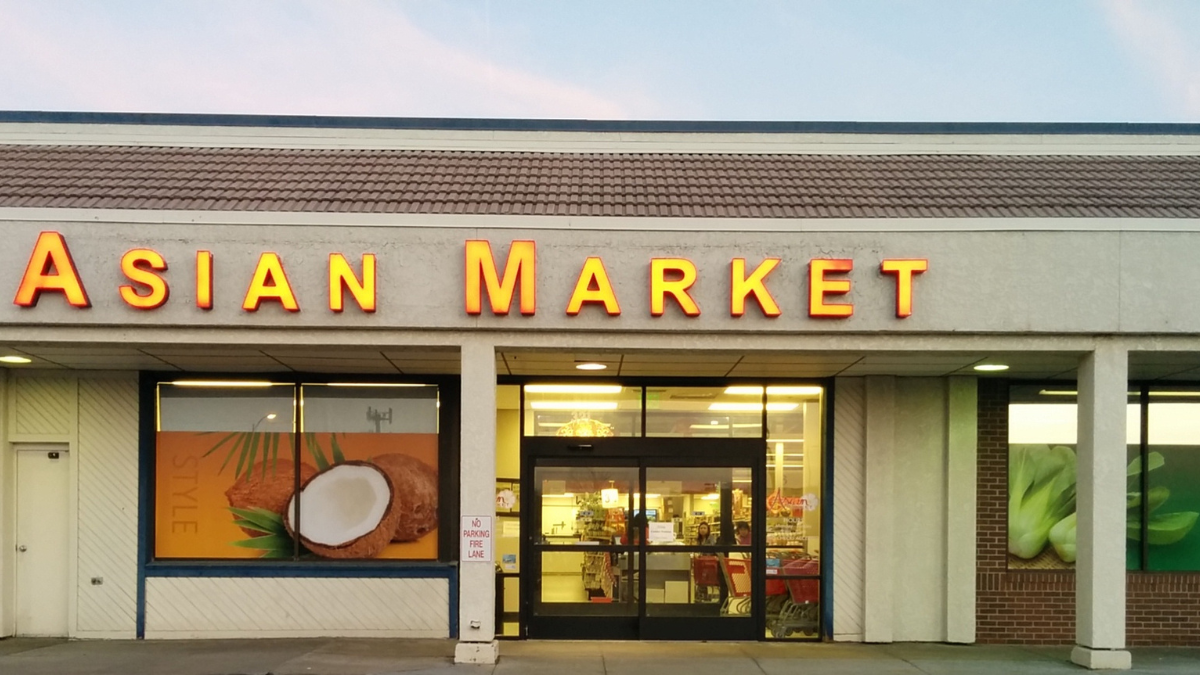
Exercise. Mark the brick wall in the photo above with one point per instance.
(1027, 607)
(1038, 607)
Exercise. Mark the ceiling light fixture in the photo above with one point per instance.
(991, 367)
(773, 390)
(589, 365)
(573, 405)
(375, 384)
(13, 358)
(726, 406)
(573, 388)
(220, 383)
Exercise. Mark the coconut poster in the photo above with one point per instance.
(223, 495)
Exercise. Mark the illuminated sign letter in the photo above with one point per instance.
(139, 266)
(270, 283)
(521, 267)
(677, 288)
(50, 268)
(204, 279)
(593, 286)
(819, 287)
(904, 271)
(742, 286)
(341, 276)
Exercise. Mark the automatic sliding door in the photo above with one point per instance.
(697, 566)
(585, 576)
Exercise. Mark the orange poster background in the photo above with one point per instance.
(192, 516)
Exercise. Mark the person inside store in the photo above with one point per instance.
(704, 535)
(741, 533)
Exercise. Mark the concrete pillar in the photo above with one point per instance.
(477, 476)
(879, 526)
(1100, 537)
(961, 450)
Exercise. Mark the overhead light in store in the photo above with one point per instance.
(374, 384)
(573, 405)
(786, 440)
(589, 365)
(221, 383)
(1161, 394)
(271, 416)
(711, 497)
(726, 406)
(565, 495)
(13, 358)
(780, 390)
(573, 388)
(991, 367)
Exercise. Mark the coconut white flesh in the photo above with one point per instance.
(342, 504)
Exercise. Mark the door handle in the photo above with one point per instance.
(22, 548)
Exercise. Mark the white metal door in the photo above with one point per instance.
(43, 540)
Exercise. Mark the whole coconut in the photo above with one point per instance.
(347, 511)
(270, 491)
(417, 489)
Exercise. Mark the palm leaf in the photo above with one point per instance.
(314, 449)
(221, 442)
(267, 542)
(262, 519)
(247, 525)
(240, 442)
(338, 457)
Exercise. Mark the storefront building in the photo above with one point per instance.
(283, 377)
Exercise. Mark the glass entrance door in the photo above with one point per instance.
(643, 539)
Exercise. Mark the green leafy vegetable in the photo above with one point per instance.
(1041, 492)
(1062, 538)
(1163, 529)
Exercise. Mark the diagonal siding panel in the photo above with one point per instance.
(108, 507)
(43, 406)
(188, 607)
(849, 451)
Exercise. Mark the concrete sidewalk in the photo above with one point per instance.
(366, 657)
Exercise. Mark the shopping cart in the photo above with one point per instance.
(800, 611)
(737, 578)
(706, 576)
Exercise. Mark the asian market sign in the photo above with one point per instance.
(489, 285)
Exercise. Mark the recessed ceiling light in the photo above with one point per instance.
(573, 405)
(15, 359)
(590, 365)
(573, 388)
(991, 367)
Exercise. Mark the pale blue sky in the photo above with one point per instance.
(895, 60)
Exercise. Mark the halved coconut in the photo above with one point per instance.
(349, 510)
(271, 489)
(417, 490)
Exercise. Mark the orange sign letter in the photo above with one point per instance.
(521, 267)
(660, 286)
(593, 286)
(204, 279)
(741, 286)
(139, 266)
(904, 271)
(50, 268)
(819, 287)
(341, 276)
(270, 283)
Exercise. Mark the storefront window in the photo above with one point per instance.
(793, 567)
(1042, 466)
(586, 410)
(703, 412)
(239, 474)
(1172, 476)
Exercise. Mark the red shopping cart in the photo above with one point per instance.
(737, 578)
(800, 611)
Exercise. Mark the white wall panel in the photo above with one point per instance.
(43, 408)
(849, 501)
(108, 506)
(282, 607)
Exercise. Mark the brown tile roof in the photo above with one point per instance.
(595, 184)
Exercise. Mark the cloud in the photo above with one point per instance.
(1170, 53)
(345, 58)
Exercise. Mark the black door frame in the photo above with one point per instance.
(642, 453)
